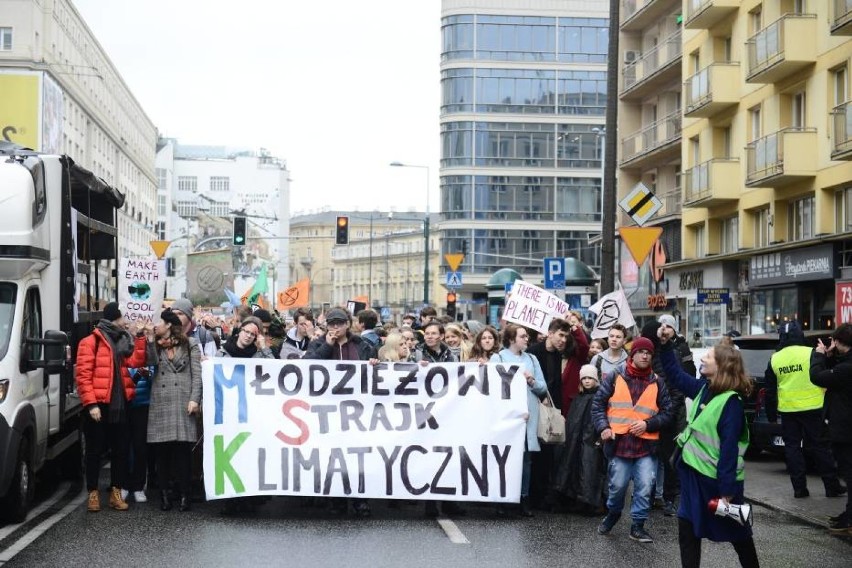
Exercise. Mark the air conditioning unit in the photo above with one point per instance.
(632, 56)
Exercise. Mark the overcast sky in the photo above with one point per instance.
(338, 89)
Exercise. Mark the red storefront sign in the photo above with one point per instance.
(843, 302)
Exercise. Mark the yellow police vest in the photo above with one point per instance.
(796, 392)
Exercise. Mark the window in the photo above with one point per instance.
(161, 230)
(161, 178)
(188, 183)
(220, 183)
(843, 210)
(754, 123)
(5, 39)
(802, 219)
(761, 228)
(186, 208)
(32, 326)
(698, 233)
(730, 234)
(839, 89)
(798, 110)
(756, 19)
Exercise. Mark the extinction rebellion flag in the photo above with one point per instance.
(448, 432)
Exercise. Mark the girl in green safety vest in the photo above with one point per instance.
(711, 464)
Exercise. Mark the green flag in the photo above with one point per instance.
(260, 286)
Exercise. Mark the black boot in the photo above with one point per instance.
(165, 501)
(184, 503)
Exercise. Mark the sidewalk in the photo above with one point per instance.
(768, 484)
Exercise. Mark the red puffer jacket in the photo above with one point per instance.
(95, 368)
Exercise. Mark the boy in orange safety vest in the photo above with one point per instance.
(631, 406)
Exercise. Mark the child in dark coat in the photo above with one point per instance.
(581, 474)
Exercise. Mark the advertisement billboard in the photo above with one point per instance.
(19, 108)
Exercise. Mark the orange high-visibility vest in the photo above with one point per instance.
(622, 412)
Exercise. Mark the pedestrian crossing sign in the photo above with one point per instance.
(641, 204)
(454, 279)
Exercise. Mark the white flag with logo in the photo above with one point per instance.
(611, 309)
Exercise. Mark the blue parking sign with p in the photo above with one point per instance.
(554, 273)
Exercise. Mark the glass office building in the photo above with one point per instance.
(522, 113)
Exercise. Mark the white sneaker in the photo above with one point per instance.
(139, 497)
(124, 494)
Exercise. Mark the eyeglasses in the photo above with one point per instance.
(249, 333)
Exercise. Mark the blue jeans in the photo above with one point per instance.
(643, 472)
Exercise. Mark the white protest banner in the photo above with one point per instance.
(533, 307)
(611, 309)
(141, 288)
(451, 431)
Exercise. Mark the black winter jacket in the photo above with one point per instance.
(835, 375)
(320, 349)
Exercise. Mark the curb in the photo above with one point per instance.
(815, 522)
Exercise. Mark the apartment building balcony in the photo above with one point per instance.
(782, 157)
(657, 67)
(639, 14)
(712, 90)
(841, 25)
(657, 142)
(704, 14)
(841, 133)
(782, 48)
(712, 183)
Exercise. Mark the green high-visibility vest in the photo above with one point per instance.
(796, 392)
(700, 439)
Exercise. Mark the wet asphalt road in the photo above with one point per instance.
(286, 533)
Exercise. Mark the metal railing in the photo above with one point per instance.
(766, 47)
(765, 156)
(653, 60)
(699, 87)
(842, 13)
(842, 131)
(672, 201)
(697, 182)
(652, 136)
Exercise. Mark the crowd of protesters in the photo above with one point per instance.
(623, 398)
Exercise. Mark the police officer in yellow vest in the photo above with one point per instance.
(791, 394)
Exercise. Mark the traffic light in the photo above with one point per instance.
(342, 235)
(451, 304)
(239, 231)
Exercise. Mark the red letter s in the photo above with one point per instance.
(304, 433)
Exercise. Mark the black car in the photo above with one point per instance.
(756, 350)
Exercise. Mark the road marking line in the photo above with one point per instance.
(41, 528)
(56, 496)
(453, 532)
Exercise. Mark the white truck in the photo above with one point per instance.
(57, 225)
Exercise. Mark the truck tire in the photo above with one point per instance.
(16, 503)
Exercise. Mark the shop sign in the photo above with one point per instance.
(657, 301)
(802, 265)
(843, 302)
(713, 296)
(691, 280)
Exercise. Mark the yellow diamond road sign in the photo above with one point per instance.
(640, 204)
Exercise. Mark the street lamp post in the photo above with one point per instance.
(425, 231)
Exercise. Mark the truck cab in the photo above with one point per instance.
(57, 235)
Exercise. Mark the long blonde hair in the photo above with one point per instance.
(730, 372)
(390, 350)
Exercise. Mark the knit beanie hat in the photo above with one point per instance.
(112, 312)
(642, 343)
(589, 371)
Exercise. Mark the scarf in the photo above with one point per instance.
(122, 346)
(638, 373)
(234, 350)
